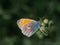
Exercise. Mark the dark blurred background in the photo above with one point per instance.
(12, 10)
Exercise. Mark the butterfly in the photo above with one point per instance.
(28, 26)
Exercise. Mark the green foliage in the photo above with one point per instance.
(46, 27)
(12, 10)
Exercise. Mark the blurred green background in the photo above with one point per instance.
(12, 10)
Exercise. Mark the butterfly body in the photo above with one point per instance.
(28, 26)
